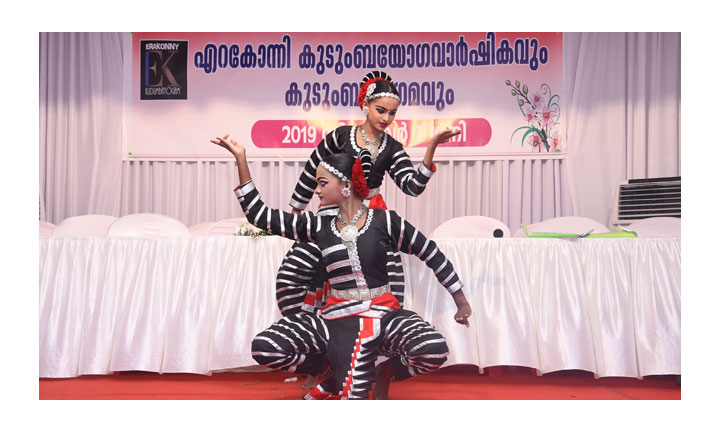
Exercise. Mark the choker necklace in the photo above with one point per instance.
(372, 146)
(349, 232)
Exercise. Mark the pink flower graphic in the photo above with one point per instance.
(547, 120)
(541, 111)
(556, 143)
(535, 140)
(531, 116)
(537, 98)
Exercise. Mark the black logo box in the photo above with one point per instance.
(163, 69)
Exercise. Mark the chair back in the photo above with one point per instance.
(656, 227)
(471, 227)
(92, 225)
(147, 225)
(225, 227)
(46, 228)
(199, 229)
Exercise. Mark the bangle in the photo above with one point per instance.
(432, 167)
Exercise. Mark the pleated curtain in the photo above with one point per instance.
(622, 93)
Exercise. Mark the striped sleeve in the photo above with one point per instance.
(396, 275)
(295, 227)
(296, 277)
(411, 181)
(306, 183)
(406, 238)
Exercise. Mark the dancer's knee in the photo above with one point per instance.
(431, 354)
(263, 350)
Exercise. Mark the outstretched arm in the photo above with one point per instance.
(439, 138)
(413, 181)
(406, 238)
(239, 152)
(294, 227)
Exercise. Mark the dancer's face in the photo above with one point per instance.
(328, 187)
(382, 112)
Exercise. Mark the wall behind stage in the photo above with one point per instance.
(279, 93)
(623, 122)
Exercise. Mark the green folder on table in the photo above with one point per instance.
(619, 232)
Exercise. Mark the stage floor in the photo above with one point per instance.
(450, 383)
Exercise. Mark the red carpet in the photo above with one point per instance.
(450, 383)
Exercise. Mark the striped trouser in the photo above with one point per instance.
(303, 343)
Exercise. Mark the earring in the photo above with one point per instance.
(366, 111)
(345, 191)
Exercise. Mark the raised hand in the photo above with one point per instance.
(445, 135)
(239, 152)
(232, 146)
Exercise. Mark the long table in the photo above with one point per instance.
(193, 304)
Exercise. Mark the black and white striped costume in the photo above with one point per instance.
(301, 272)
(392, 159)
(351, 333)
(301, 278)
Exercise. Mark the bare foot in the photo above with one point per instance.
(310, 382)
(382, 382)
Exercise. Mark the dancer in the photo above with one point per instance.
(361, 318)
(379, 99)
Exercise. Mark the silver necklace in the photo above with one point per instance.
(372, 146)
(349, 232)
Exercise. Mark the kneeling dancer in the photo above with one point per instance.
(361, 318)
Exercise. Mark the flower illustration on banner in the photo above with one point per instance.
(541, 111)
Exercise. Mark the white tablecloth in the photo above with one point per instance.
(193, 304)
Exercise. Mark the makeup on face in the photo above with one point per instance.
(328, 187)
(382, 113)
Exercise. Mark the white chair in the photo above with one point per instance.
(199, 229)
(656, 227)
(471, 227)
(46, 229)
(92, 225)
(147, 225)
(220, 228)
(225, 227)
(565, 224)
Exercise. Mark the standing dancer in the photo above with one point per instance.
(379, 99)
(361, 318)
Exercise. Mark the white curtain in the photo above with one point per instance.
(622, 120)
(81, 78)
(183, 304)
(513, 191)
(623, 115)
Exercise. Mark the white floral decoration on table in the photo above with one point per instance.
(248, 229)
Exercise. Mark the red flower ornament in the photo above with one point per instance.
(358, 180)
(363, 90)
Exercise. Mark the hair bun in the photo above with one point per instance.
(368, 79)
(376, 74)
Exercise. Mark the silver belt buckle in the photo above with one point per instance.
(360, 294)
